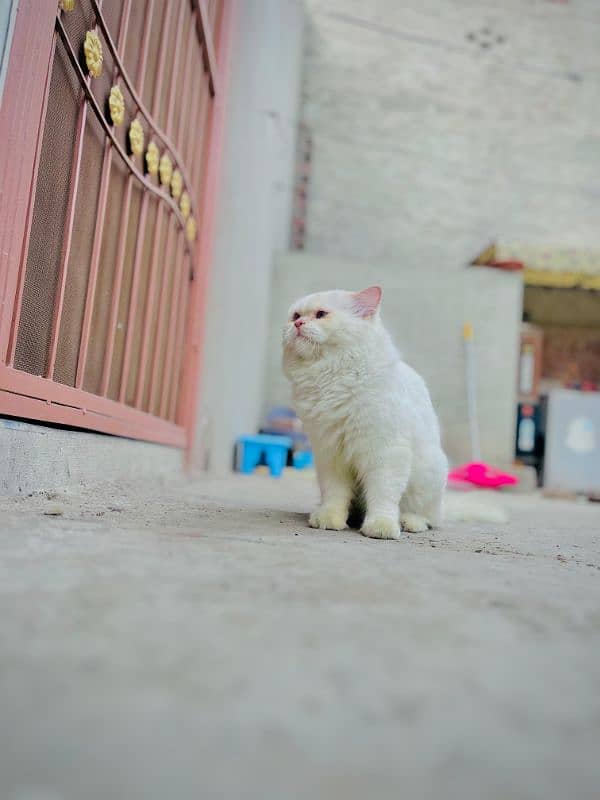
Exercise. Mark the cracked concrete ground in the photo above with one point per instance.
(198, 641)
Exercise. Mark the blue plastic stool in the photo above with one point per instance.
(303, 459)
(262, 449)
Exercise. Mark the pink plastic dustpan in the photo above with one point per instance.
(480, 474)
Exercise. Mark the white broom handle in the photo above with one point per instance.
(471, 375)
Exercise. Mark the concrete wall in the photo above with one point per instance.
(253, 219)
(440, 124)
(39, 458)
(425, 312)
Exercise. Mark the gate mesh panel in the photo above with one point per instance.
(111, 12)
(169, 266)
(78, 21)
(183, 310)
(144, 274)
(156, 33)
(46, 253)
(163, 104)
(84, 224)
(49, 212)
(137, 18)
(187, 22)
(122, 319)
(153, 327)
(106, 269)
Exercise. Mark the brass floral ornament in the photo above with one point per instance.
(152, 158)
(185, 205)
(116, 105)
(176, 184)
(190, 229)
(136, 137)
(67, 5)
(165, 169)
(92, 49)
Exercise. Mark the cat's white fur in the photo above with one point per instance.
(369, 416)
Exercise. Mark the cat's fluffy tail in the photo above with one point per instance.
(468, 507)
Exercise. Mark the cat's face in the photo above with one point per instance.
(329, 319)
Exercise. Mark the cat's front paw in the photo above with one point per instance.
(328, 519)
(414, 523)
(381, 528)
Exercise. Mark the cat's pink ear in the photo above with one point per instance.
(366, 303)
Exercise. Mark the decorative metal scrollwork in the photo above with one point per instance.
(136, 137)
(152, 158)
(171, 179)
(176, 184)
(92, 49)
(185, 205)
(190, 229)
(165, 169)
(116, 105)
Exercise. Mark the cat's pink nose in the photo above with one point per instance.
(299, 323)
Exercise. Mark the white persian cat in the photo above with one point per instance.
(369, 417)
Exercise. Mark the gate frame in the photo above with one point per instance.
(22, 117)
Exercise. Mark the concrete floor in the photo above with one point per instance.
(200, 642)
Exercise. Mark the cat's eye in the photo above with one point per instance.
(295, 316)
(320, 314)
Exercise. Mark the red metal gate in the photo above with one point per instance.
(109, 127)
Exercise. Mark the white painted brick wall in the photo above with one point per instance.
(426, 146)
(425, 311)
